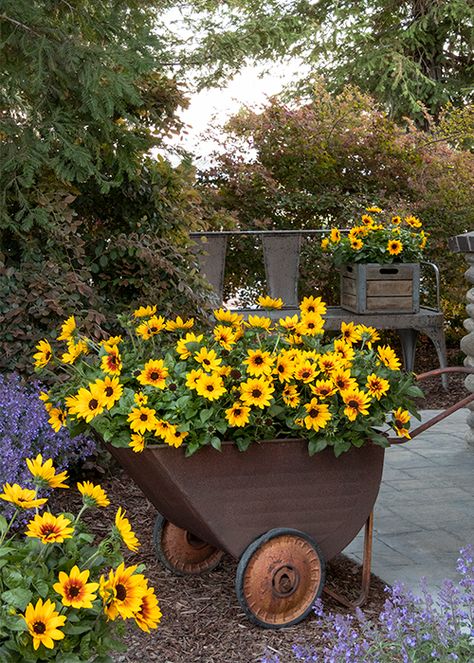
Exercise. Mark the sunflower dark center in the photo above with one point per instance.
(210, 387)
(153, 330)
(256, 393)
(154, 375)
(48, 530)
(112, 361)
(341, 383)
(313, 412)
(258, 360)
(109, 391)
(47, 355)
(73, 591)
(143, 417)
(93, 403)
(354, 404)
(39, 627)
(121, 592)
(305, 374)
(398, 423)
(311, 309)
(280, 368)
(237, 412)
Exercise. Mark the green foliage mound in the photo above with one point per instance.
(87, 220)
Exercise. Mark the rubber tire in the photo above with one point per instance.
(182, 566)
(250, 553)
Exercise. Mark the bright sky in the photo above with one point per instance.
(211, 108)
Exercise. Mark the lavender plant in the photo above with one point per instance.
(410, 629)
(25, 432)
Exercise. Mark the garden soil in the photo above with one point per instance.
(202, 620)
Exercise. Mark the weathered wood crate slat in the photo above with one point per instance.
(372, 288)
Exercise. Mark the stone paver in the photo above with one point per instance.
(425, 509)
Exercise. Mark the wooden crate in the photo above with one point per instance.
(373, 288)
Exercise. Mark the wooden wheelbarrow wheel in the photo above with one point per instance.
(181, 552)
(279, 577)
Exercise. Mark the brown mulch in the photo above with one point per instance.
(202, 620)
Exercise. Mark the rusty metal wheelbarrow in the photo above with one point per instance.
(281, 513)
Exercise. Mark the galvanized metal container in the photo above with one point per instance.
(374, 288)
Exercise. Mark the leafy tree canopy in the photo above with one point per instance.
(411, 54)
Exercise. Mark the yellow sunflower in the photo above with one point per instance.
(43, 623)
(93, 495)
(149, 615)
(163, 427)
(44, 354)
(174, 437)
(377, 386)
(317, 415)
(343, 380)
(367, 220)
(399, 419)
(311, 324)
(74, 350)
(373, 209)
(125, 531)
(323, 388)
(350, 332)
(335, 236)
(110, 390)
(57, 418)
(46, 473)
(284, 367)
(142, 419)
(344, 349)
(210, 386)
(394, 247)
(44, 397)
(137, 442)
(67, 329)
(178, 323)
(50, 529)
(290, 395)
(325, 244)
(88, 403)
(182, 345)
(151, 327)
(256, 391)
(111, 362)
(290, 323)
(269, 302)
(357, 402)
(357, 244)
(144, 312)
(154, 373)
(396, 220)
(223, 315)
(24, 498)
(74, 589)
(192, 377)
(312, 305)
(369, 335)
(225, 336)
(238, 414)
(258, 362)
(259, 322)
(413, 222)
(140, 398)
(388, 357)
(208, 359)
(305, 371)
(330, 362)
(122, 592)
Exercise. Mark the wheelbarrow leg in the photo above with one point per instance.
(366, 566)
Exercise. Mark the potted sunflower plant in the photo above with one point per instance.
(378, 260)
(65, 598)
(234, 427)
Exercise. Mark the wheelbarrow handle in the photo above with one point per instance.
(445, 413)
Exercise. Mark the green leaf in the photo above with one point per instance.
(17, 598)
(204, 415)
(216, 443)
(3, 524)
(316, 445)
(41, 587)
(413, 392)
(221, 426)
